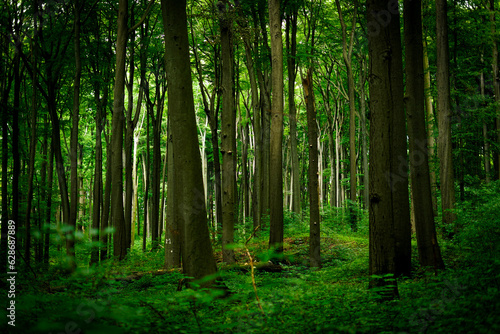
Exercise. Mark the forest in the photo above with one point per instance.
(250, 166)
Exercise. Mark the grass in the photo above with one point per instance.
(464, 298)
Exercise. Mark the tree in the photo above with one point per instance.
(228, 132)
(444, 115)
(120, 244)
(428, 248)
(276, 164)
(388, 218)
(197, 257)
(74, 130)
(496, 74)
(347, 55)
(313, 184)
(291, 46)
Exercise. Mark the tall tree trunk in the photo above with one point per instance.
(197, 256)
(73, 214)
(146, 162)
(265, 108)
(430, 127)
(291, 45)
(428, 248)
(106, 206)
(364, 142)
(496, 75)
(389, 216)
(156, 179)
(257, 130)
(313, 182)
(228, 145)
(399, 164)
(347, 54)
(120, 245)
(276, 165)
(61, 175)
(444, 115)
(33, 141)
(486, 142)
(129, 124)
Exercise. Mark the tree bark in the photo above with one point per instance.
(228, 143)
(313, 177)
(496, 75)
(173, 242)
(389, 218)
(257, 130)
(276, 164)
(120, 245)
(197, 256)
(347, 55)
(444, 116)
(428, 248)
(430, 128)
(291, 45)
(73, 214)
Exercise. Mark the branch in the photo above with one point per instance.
(138, 24)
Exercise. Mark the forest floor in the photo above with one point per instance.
(137, 296)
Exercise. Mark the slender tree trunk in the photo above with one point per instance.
(428, 248)
(313, 178)
(129, 130)
(245, 188)
(347, 54)
(228, 145)
(486, 142)
(73, 214)
(364, 146)
(146, 162)
(276, 164)
(163, 195)
(198, 259)
(98, 187)
(48, 212)
(291, 44)
(120, 245)
(265, 108)
(257, 190)
(444, 116)
(33, 141)
(430, 128)
(496, 75)
(106, 207)
(156, 179)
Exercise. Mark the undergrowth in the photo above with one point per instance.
(108, 298)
